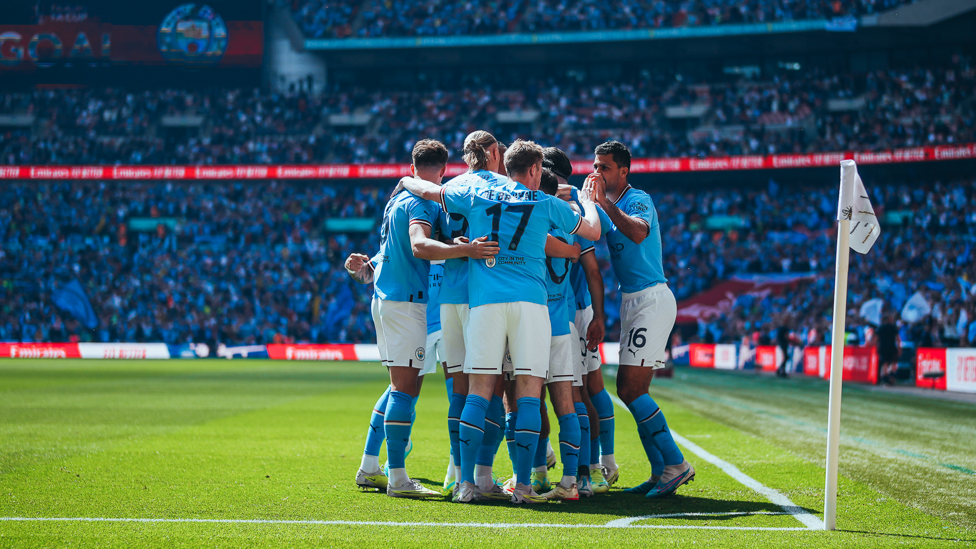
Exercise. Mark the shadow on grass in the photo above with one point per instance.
(892, 535)
(618, 504)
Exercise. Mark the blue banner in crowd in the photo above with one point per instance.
(72, 299)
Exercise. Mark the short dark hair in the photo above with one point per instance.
(556, 160)
(549, 184)
(616, 149)
(429, 153)
(521, 156)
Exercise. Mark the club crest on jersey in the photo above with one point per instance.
(420, 353)
(490, 262)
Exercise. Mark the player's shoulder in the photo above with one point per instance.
(635, 200)
(476, 179)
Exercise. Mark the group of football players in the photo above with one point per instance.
(492, 274)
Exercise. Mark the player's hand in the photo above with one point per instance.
(398, 188)
(355, 262)
(565, 192)
(461, 240)
(578, 249)
(595, 332)
(482, 248)
(594, 189)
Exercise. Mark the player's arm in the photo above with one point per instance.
(422, 188)
(589, 227)
(560, 249)
(425, 247)
(596, 331)
(634, 228)
(360, 268)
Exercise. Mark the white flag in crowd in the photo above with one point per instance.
(855, 205)
(916, 308)
(871, 311)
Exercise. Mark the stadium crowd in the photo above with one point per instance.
(252, 262)
(657, 116)
(391, 18)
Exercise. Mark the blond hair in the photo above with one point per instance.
(476, 146)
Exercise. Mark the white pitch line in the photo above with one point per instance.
(774, 496)
(393, 523)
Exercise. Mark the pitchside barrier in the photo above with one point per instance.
(860, 363)
(939, 369)
(376, 171)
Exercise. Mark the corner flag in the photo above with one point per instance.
(853, 206)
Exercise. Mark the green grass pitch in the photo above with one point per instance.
(195, 442)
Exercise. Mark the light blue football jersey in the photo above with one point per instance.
(435, 278)
(400, 276)
(455, 287)
(561, 296)
(637, 266)
(519, 220)
(577, 278)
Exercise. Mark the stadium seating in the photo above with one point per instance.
(662, 116)
(386, 18)
(255, 263)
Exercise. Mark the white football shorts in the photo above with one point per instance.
(401, 332)
(565, 363)
(454, 317)
(591, 359)
(646, 320)
(435, 352)
(523, 324)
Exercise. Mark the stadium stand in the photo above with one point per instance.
(391, 18)
(254, 263)
(663, 115)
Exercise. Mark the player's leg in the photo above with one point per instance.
(604, 408)
(511, 417)
(370, 475)
(603, 424)
(482, 364)
(646, 321)
(583, 474)
(405, 332)
(540, 476)
(528, 323)
(453, 319)
(494, 420)
(564, 367)
(597, 481)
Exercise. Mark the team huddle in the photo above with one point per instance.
(493, 275)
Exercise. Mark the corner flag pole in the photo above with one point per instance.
(837, 350)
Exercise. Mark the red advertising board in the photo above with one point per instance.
(701, 355)
(283, 351)
(377, 171)
(930, 360)
(39, 350)
(811, 361)
(860, 364)
(766, 358)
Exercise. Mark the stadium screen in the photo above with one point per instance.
(42, 36)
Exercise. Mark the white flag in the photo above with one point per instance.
(855, 205)
(916, 308)
(871, 311)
